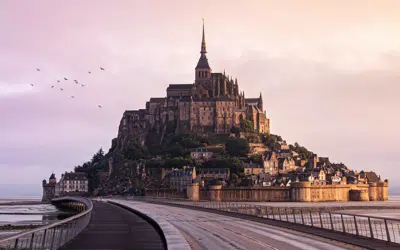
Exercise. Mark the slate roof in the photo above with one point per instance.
(251, 100)
(372, 177)
(203, 63)
(251, 165)
(218, 99)
(75, 176)
(157, 99)
(180, 86)
(268, 155)
(181, 172)
(216, 74)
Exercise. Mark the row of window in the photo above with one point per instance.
(74, 181)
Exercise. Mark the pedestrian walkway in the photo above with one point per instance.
(113, 227)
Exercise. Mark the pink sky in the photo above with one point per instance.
(328, 72)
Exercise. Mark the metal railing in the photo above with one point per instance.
(380, 228)
(54, 235)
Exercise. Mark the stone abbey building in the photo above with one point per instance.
(212, 104)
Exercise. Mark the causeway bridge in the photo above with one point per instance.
(153, 223)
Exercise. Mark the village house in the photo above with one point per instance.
(266, 179)
(368, 177)
(270, 162)
(286, 164)
(214, 173)
(202, 154)
(333, 179)
(257, 148)
(180, 178)
(73, 182)
(283, 145)
(251, 168)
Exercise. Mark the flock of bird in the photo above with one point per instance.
(75, 81)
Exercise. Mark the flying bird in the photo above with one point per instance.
(38, 69)
(52, 86)
(76, 81)
(31, 84)
(65, 79)
(101, 68)
(72, 96)
(99, 106)
(83, 85)
(62, 89)
(89, 72)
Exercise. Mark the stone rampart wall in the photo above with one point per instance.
(256, 194)
(165, 193)
(297, 192)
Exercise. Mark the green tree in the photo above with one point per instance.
(256, 158)
(246, 126)
(190, 143)
(135, 150)
(177, 162)
(98, 156)
(237, 147)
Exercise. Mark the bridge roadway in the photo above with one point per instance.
(113, 227)
(212, 231)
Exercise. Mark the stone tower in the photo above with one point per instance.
(49, 189)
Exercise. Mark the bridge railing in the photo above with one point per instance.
(380, 228)
(54, 235)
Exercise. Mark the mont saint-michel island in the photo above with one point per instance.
(209, 141)
(199, 125)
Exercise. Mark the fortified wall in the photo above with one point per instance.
(297, 192)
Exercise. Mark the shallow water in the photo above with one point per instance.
(23, 213)
(28, 209)
(20, 218)
(386, 213)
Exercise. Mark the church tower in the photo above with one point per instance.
(203, 70)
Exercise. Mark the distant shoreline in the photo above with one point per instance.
(16, 203)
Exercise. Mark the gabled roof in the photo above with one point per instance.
(268, 155)
(372, 177)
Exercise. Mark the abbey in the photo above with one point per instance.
(212, 104)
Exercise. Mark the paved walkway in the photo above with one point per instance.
(365, 243)
(113, 227)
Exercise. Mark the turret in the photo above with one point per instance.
(260, 103)
(52, 179)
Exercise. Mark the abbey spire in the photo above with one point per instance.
(203, 43)
(203, 69)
